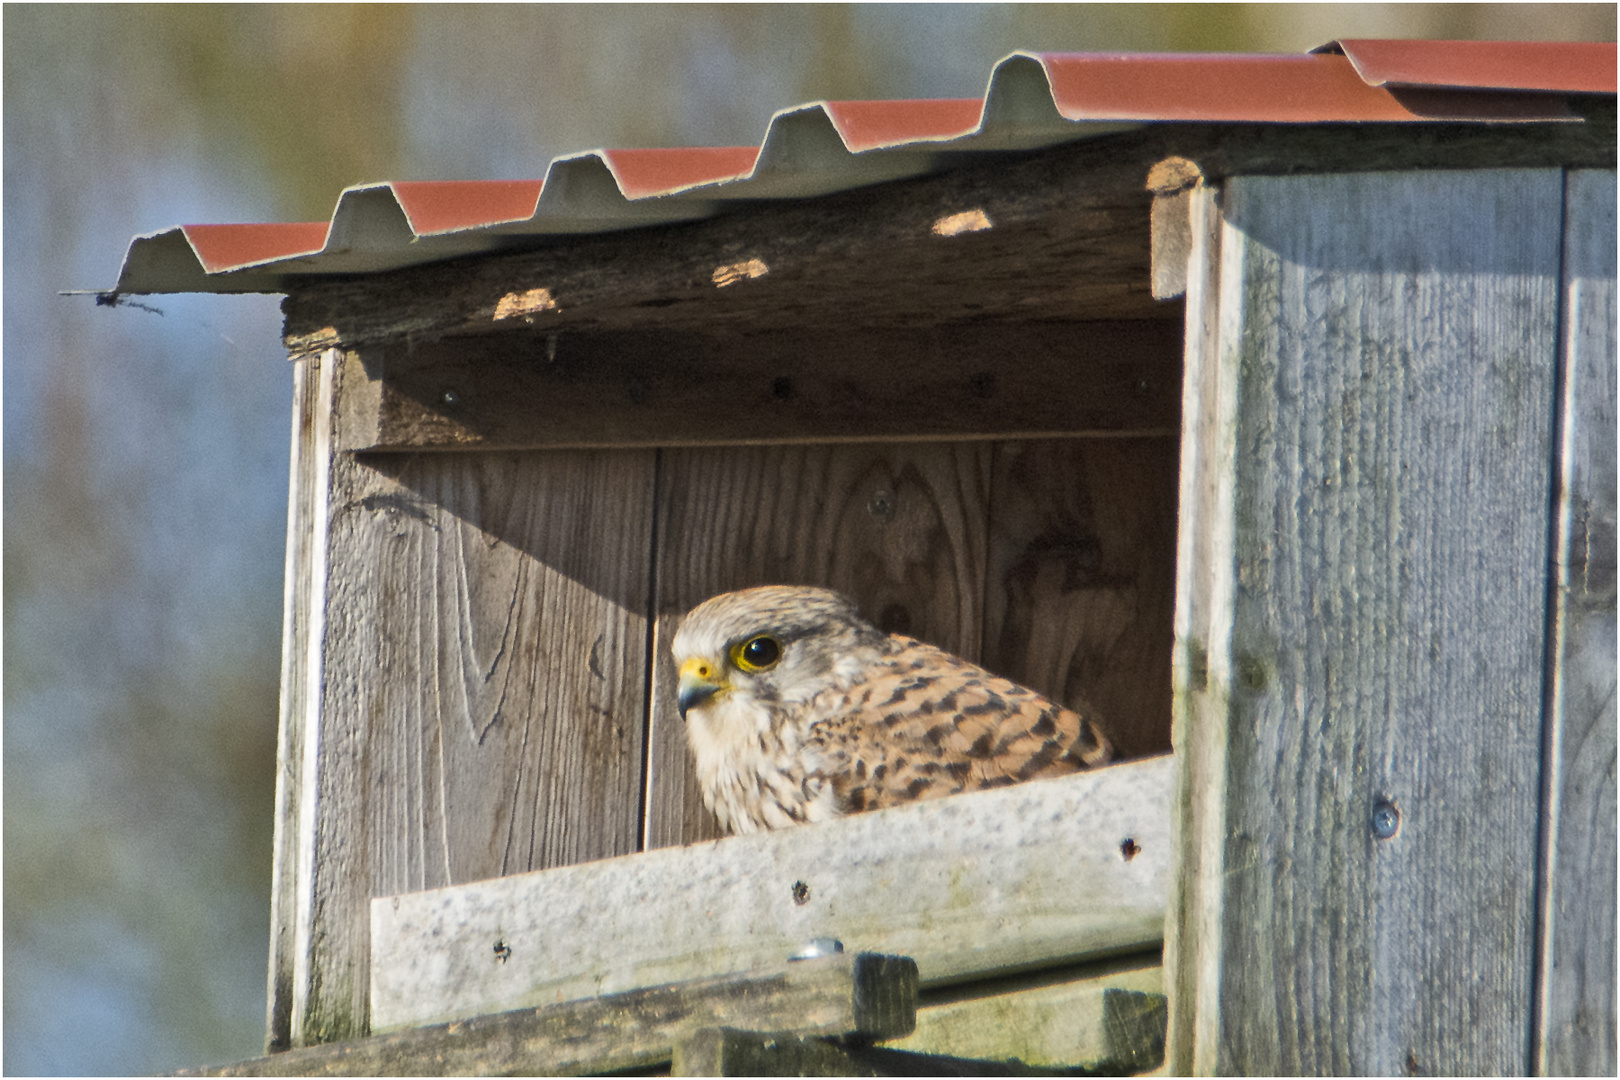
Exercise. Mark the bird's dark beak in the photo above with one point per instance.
(700, 681)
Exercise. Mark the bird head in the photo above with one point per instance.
(774, 643)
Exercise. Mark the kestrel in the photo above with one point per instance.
(799, 710)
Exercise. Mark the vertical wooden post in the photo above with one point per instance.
(1576, 1024)
(318, 940)
(306, 501)
(1202, 628)
(1360, 628)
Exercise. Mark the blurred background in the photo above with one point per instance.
(145, 451)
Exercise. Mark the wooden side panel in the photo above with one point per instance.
(1390, 343)
(479, 693)
(1577, 1022)
(1081, 578)
(898, 527)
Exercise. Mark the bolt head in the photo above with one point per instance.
(1386, 819)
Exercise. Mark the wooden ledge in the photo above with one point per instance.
(866, 996)
(1029, 876)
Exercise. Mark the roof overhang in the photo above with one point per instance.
(1033, 100)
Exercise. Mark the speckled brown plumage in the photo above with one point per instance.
(845, 718)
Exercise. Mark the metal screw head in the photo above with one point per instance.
(818, 947)
(1386, 819)
(881, 505)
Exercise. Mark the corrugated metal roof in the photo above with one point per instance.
(1548, 66)
(1032, 100)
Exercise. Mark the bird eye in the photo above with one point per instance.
(757, 654)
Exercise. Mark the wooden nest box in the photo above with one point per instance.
(1288, 446)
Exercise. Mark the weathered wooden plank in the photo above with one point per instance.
(729, 1051)
(534, 389)
(475, 685)
(1080, 585)
(1130, 1028)
(1576, 1026)
(1202, 627)
(1067, 241)
(867, 995)
(328, 993)
(1045, 1020)
(1027, 876)
(899, 527)
(507, 670)
(1391, 341)
(306, 502)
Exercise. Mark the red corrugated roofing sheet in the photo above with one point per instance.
(230, 247)
(1550, 66)
(870, 125)
(644, 173)
(445, 206)
(1033, 100)
(1230, 89)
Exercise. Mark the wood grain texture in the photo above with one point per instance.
(1135, 1041)
(1392, 341)
(475, 685)
(1202, 628)
(1576, 1034)
(1080, 586)
(730, 1051)
(503, 677)
(867, 995)
(1069, 240)
(898, 527)
(329, 940)
(982, 884)
(300, 596)
(669, 388)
